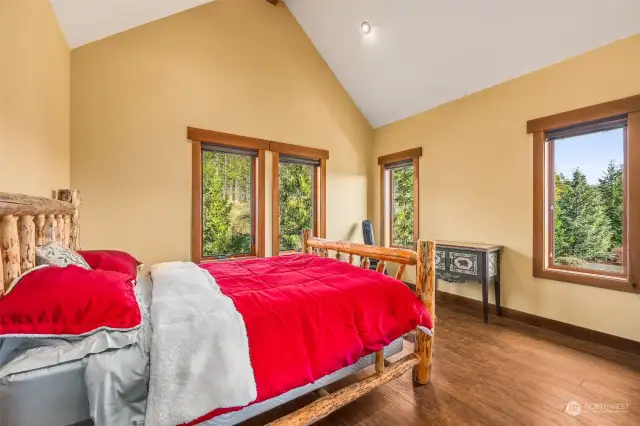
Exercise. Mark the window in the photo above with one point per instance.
(228, 196)
(228, 219)
(586, 198)
(399, 195)
(299, 194)
(401, 204)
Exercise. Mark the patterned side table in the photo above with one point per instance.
(460, 262)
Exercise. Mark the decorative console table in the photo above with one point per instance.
(460, 262)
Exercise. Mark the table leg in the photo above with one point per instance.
(496, 285)
(485, 298)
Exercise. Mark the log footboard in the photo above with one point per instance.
(419, 361)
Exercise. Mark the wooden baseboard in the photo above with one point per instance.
(475, 307)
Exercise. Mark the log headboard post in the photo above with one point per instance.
(72, 225)
(27, 222)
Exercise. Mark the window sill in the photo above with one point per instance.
(404, 247)
(289, 252)
(231, 258)
(585, 278)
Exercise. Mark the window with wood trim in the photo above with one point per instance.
(587, 196)
(228, 202)
(228, 197)
(299, 195)
(399, 194)
(298, 200)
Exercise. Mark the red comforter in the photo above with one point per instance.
(307, 316)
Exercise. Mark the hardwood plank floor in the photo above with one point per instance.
(501, 373)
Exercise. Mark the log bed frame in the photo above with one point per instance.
(419, 361)
(27, 222)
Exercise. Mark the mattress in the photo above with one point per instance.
(17, 392)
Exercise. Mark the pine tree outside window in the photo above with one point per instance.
(586, 227)
(299, 197)
(587, 200)
(399, 198)
(297, 200)
(228, 217)
(401, 205)
(228, 195)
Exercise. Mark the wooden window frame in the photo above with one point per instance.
(626, 282)
(319, 190)
(200, 137)
(386, 194)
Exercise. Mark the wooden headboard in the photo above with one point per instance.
(27, 222)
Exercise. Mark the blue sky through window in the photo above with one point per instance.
(592, 153)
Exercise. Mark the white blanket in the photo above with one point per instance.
(199, 349)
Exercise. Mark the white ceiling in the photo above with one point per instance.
(84, 21)
(421, 53)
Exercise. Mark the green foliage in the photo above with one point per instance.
(296, 204)
(571, 261)
(611, 193)
(226, 204)
(402, 205)
(561, 240)
(226, 201)
(588, 218)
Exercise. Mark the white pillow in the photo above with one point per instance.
(55, 254)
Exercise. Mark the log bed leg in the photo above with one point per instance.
(425, 289)
(380, 361)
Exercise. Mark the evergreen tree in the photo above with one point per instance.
(216, 208)
(296, 204)
(584, 228)
(610, 186)
(402, 226)
(562, 248)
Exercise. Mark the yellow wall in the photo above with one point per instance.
(476, 178)
(34, 99)
(236, 66)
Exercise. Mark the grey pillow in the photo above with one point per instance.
(55, 254)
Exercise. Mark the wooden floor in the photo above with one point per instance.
(501, 373)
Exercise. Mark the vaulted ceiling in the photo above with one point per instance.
(420, 53)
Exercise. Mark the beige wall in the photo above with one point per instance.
(34, 99)
(236, 66)
(476, 178)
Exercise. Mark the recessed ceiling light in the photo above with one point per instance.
(365, 27)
